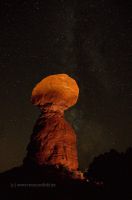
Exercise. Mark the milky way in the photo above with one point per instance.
(89, 40)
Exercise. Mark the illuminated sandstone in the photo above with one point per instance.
(58, 89)
(53, 141)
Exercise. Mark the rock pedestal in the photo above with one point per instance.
(53, 142)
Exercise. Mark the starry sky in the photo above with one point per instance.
(91, 41)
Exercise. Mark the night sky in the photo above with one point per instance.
(91, 40)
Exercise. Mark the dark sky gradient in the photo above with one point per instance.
(89, 40)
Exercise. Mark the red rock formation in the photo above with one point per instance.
(53, 141)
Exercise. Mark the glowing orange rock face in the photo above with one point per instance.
(60, 90)
(53, 141)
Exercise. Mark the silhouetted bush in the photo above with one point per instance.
(113, 170)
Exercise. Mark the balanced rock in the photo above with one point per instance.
(53, 141)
